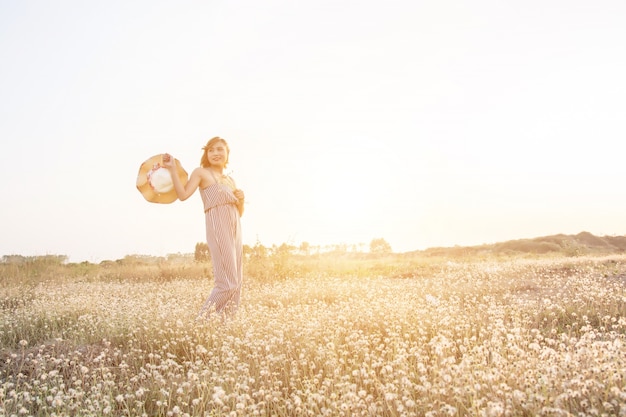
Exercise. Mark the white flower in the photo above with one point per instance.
(432, 300)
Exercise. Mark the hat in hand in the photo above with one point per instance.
(154, 180)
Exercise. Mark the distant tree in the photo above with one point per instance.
(201, 253)
(340, 248)
(14, 259)
(305, 248)
(283, 250)
(39, 260)
(140, 260)
(247, 251)
(258, 251)
(380, 246)
(178, 257)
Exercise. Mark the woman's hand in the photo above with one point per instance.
(240, 200)
(239, 194)
(169, 161)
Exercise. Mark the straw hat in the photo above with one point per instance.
(154, 180)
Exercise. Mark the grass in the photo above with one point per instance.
(319, 336)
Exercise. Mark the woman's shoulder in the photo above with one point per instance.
(203, 175)
(201, 171)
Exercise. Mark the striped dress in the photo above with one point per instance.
(223, 235)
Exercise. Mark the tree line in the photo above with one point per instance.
(201, 253)
(377, 246)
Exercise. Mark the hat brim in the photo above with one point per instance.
(143, 184)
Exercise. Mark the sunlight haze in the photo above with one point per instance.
(426, 123)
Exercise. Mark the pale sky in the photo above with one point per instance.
(426, 123)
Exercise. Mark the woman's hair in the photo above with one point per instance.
(204, 161)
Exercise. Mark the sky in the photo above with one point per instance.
(423, 122)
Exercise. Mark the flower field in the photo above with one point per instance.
(517, 337)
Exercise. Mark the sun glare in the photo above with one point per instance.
(351, 194)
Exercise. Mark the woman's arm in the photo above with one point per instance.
(182, 191)
(240, 202)
(240, 198)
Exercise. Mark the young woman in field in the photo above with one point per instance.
(223, 208)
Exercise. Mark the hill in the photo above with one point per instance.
(583, 243)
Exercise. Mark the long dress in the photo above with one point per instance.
(223, 235)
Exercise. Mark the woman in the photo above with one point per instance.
(223, 208)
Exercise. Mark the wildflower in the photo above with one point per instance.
(495, 409)
(449, 410)
(390, 396)
(432, 300)
(218, 395)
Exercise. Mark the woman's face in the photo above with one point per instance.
(217, 154)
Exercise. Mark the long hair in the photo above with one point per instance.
(204, 161)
